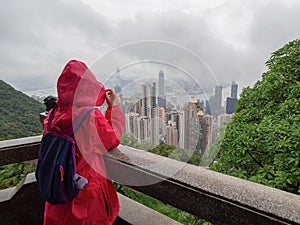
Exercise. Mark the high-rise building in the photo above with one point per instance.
(215, 102)
(234, 90)
(231, 101)
(118, 89)
(146, 115)
(172, 134)
(162, 121)
(224, 118)
(207, 108)
(230, 105)
(207, 126)
(173, 116)
(131, 123)
(143, 129)
(148, 99)
(154, 127)
(181, 129)
(192, 126)
(161, 83)
(218, 96)
(161, 90)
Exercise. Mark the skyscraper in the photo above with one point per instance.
(161, 89)
(215, 102)
(234, 90)
(161, 83)
(231, 101)
(172, 134)
(154, 127)
(207, 126)
(143, 129)
(148, 99)
(230, 105)
(191, 125)
(218, 96)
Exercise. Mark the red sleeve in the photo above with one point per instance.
(111, 127)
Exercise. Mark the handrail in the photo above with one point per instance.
(215, 197)
(19, 150)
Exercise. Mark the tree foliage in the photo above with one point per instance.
(11, 175)
(19, 114)
(165, 150)
(262, 142)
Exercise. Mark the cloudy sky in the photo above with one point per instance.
(234, 38)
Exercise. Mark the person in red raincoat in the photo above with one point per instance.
(98, 202)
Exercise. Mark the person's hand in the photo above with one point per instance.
(111, 97)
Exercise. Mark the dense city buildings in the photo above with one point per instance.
(192, 126)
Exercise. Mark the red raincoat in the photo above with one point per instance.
(98, 203)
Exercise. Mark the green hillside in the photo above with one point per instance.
(19, 114)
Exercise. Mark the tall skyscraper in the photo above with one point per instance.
(148, 99)
(161, 89)
(218, 96)
(230, 105)
(131, 123)
(207, 107)
(215, 102)
(172, 132)
(191, 125)
(148, 122)
(231, 101)
(143, 129)
(234, 90)
(207, 126)
(154, 127)
(161, 83)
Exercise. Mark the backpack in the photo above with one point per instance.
(57, 164)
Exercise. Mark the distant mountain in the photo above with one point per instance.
(19, 114)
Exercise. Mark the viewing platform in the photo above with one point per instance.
(212, 196)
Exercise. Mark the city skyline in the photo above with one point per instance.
(187, 126)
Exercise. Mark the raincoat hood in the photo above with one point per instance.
(77, 86)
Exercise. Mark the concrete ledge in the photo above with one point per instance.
(138, 214)
(215, 197)
(19, 150)
(22, 205)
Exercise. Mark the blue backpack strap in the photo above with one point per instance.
(79, 120)
(76, 123)
(50, 119)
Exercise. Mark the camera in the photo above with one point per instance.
(80, 181)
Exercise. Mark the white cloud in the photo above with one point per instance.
(234, 37)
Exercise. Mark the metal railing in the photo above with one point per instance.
(215, 197)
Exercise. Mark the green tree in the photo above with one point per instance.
(165, 150)
(12, 174)
(261, 143)
(19, 114)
